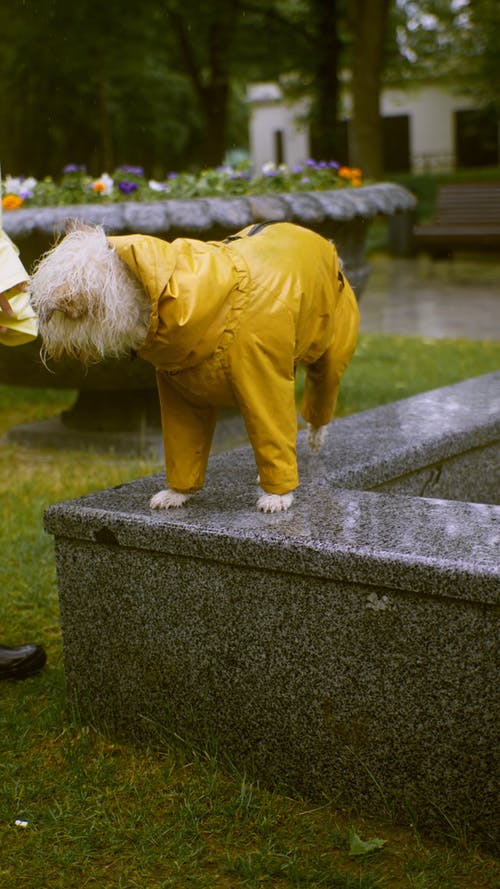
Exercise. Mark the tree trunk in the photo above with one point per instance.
(210, 78)
(215, 113)
(368, 24)
(325, 139)
(105, 129)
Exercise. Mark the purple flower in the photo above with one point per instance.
(334, 165)
(74, 168)
(134, 171)
(127, 187)
(172, 176)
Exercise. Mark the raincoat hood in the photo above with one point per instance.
(188, 283)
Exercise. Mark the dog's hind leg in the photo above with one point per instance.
(316, 437)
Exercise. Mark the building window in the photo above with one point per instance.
(476, 138)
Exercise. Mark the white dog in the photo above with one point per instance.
(224, 323)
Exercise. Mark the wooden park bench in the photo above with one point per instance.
(467, 217)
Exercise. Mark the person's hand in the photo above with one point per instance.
(7, 294)
(5, 305)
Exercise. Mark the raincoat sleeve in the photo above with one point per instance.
(323, 376)
(187, 436)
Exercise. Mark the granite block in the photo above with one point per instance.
(356, 690)
(347, 647)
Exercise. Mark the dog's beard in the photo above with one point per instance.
(89, 304)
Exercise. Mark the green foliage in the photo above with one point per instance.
(455, 43)
(103, 85)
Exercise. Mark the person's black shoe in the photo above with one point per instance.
(17, 663)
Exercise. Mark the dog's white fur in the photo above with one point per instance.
(168, 499)
(274, 502)
(91, 307)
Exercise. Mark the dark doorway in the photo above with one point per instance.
(396, 144)
(279, 147)
(476, 138)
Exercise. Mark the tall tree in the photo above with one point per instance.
(205, 35)
(316, 37)
(368, 24)
(86, 83)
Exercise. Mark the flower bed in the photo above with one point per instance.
(129, 183)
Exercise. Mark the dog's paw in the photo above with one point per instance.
(316, 437)
(274, 502)
(168, 499)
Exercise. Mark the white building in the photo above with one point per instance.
(425, 128)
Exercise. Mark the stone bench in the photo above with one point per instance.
(346, 648)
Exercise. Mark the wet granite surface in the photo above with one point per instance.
(346, 647)
(440, 299)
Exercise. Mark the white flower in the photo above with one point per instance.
(157, 186)
(103, 185)
(29, 183)
(19, 185)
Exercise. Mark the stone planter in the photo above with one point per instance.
(116, 406)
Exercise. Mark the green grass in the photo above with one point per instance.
(105, 814)
(387, 367)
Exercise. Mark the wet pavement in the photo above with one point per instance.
(453, 298)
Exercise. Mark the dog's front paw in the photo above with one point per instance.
(274, 502)
(168, 499)
(316, 437)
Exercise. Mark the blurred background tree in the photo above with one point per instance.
(163, 84)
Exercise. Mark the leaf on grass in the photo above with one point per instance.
(357, 846)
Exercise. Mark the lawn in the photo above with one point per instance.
(106, 814)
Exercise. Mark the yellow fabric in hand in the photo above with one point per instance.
(22, 326)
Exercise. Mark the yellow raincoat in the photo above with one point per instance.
(229, 323)
(22, 325)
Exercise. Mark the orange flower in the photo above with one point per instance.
(98, 186)
(345, 172)
(11, 202)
